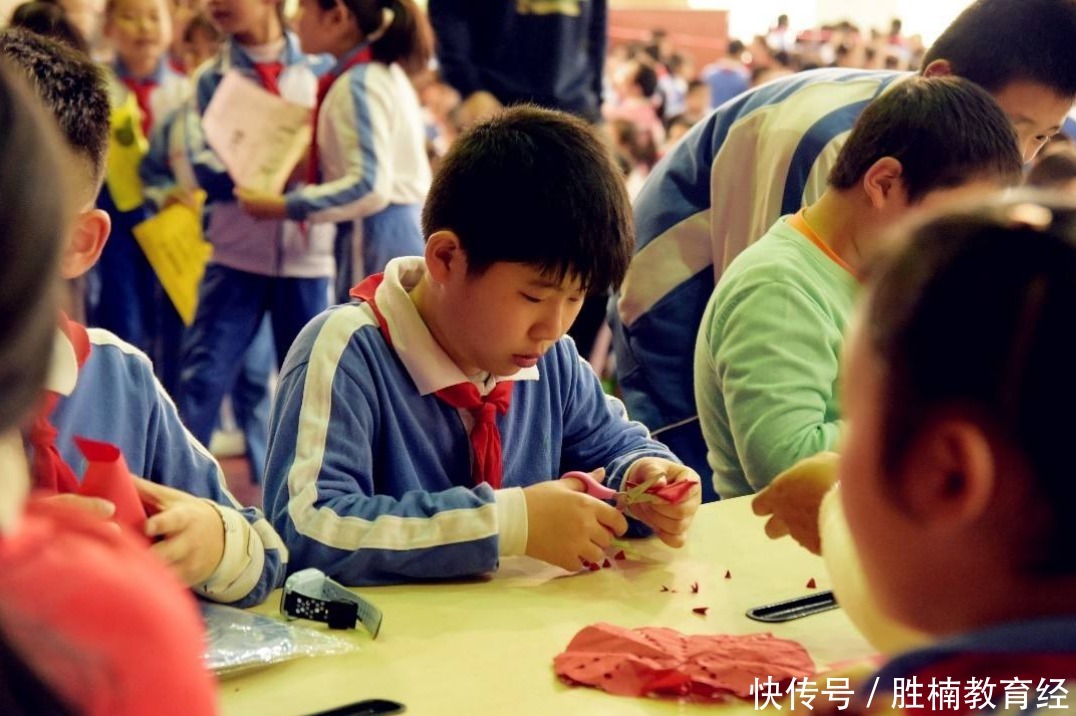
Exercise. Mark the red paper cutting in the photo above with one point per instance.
(694, 587)
(619, 555)
(674, 493)
(654, 661)
(593, 566)
(701, 610)
(606, 564)
(107, 477)
(728, 574)
(811, 583)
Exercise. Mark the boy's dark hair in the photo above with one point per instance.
(646, 78)
(72, 88)
(944, 131)
(995, 42)
(408, 41)
(974, 314)
(50, 20)
(33, 213)
(537, 187)
(1054, 170)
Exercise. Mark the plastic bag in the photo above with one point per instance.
(238, 640)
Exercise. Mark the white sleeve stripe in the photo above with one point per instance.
(347, 532)
(102, 337)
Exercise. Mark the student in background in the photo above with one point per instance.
(1056, 171)
(126, 297)
(768, 351)
(103, 389)
(767, 154)
(417, 431)
(259, 267)
(90, 621)
(368, 159)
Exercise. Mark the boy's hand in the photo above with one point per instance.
(566, 527)
(793, 499)
(261, 205)
(191, 528)
(97, 506)
(668, 520)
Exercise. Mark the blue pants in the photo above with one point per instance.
(250, 398)
(230, 310)
(392, 232)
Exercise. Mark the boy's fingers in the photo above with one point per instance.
(95, 505)
(762, 503)
(612, 519)
(164, 523)
(776, 528)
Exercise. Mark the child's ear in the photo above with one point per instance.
(86, 242)
(950, 476)
(444, 256)
(884, 183)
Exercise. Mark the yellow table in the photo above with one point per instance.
(487, 647)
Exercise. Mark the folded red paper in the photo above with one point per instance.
(107, 477)
(654, 661)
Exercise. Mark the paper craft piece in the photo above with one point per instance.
(258, 135)
(620, 555)
(107, 477)
(811, 583)
(728, 574)
(654, 661)
(126, 147)
(701, 610)
(606, 564)
(694, 587)
(173, 244)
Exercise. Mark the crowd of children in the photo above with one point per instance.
(419, 425)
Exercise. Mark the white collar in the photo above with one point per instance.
(63, 366)
(427, 363)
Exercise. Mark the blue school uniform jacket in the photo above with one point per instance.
(117, 399)
(369, 473)
(762, 155)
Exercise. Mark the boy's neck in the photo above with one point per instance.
(839, 224)
(425, 300)
(263, 34)
(141, 68)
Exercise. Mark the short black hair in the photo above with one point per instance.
(943, 130)
(996, 42)
(537, 187)
(49, 19)
(72, 88)
(646, 77)
(33, 213)
(974, 314)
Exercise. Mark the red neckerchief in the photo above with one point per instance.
(488, 465)
(50, 471)
(269, 74)
(325, 82)
(142, 88)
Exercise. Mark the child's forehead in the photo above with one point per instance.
(544, 277)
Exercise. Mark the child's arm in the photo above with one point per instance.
(597, 433)
(209, 170)
(777, 364)
(359, 113)
(254, 558)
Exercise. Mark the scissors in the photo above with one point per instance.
(624, 499)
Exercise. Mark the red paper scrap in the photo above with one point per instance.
(811, 583)
(606, 564)
(619, 555)
(694, 587)
(594, 566)
(674, 493)
(701, 610)
(728, 574)
(107, 477)
(664, 588)
(654, 661)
